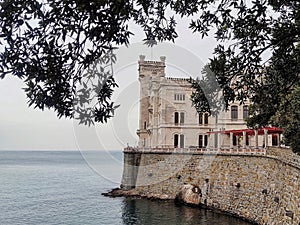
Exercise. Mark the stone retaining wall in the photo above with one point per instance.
(285, 155)
(260, 188)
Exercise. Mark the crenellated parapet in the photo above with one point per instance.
(151, 68)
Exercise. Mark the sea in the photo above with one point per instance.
(64, 187)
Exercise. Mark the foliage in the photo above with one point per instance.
(53, 45)
(288, 116)
(259, 60)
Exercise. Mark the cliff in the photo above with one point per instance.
(262, 188)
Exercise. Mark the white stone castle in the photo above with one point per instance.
(168, 120)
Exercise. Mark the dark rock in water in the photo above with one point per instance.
(116, 192)
(179, 199)
(189, 194)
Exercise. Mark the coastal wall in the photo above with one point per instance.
(261, 188)
(130, 170)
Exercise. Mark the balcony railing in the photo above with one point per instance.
(221, 151)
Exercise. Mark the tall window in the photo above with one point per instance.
(179, 97)
(176, 118)
(234, 112)
(205, 140)
(145, 125)
(181, 118)
(200, 118)
(245, 112)
(205, 118)
(200, 141)
(181, 141)
(200, 144)
(176, 141)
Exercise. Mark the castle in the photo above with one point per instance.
(168, 119)
(234, 168)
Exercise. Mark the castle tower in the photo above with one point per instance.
(151, 73)
(167, 118)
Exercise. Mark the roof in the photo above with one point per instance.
(271, 130)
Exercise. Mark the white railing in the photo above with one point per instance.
(235, 151)
(283, 154)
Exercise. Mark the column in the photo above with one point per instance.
(265, 137)
(219, 141)
(231, 141)
(278, 140)
(244, 139)
(209, 141)
(256, 138)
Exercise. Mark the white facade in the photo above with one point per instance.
(168, 119)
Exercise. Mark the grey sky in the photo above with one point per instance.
(23, 128)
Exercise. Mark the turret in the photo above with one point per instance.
(149, 71)
(151, 68)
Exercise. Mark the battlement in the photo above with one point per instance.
(177, 79)
(148, 62)
(142, 60)
(151, 68)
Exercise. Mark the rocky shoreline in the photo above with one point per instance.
(117, 192)
(188, 196)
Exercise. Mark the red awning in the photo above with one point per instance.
(271, 130)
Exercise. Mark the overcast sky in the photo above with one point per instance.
(23, 128)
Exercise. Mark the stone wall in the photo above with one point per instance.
(260, 188)
(285, 155)
(130, 170)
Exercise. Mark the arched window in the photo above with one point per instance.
(181, 141)
(200, 144)
(176, 140)
(200, 141)
(181, 118)
(176, 118)
(205, 118)
(200, 118)
(205, 140)
(234, 112)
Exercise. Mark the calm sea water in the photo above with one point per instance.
(61, 188)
